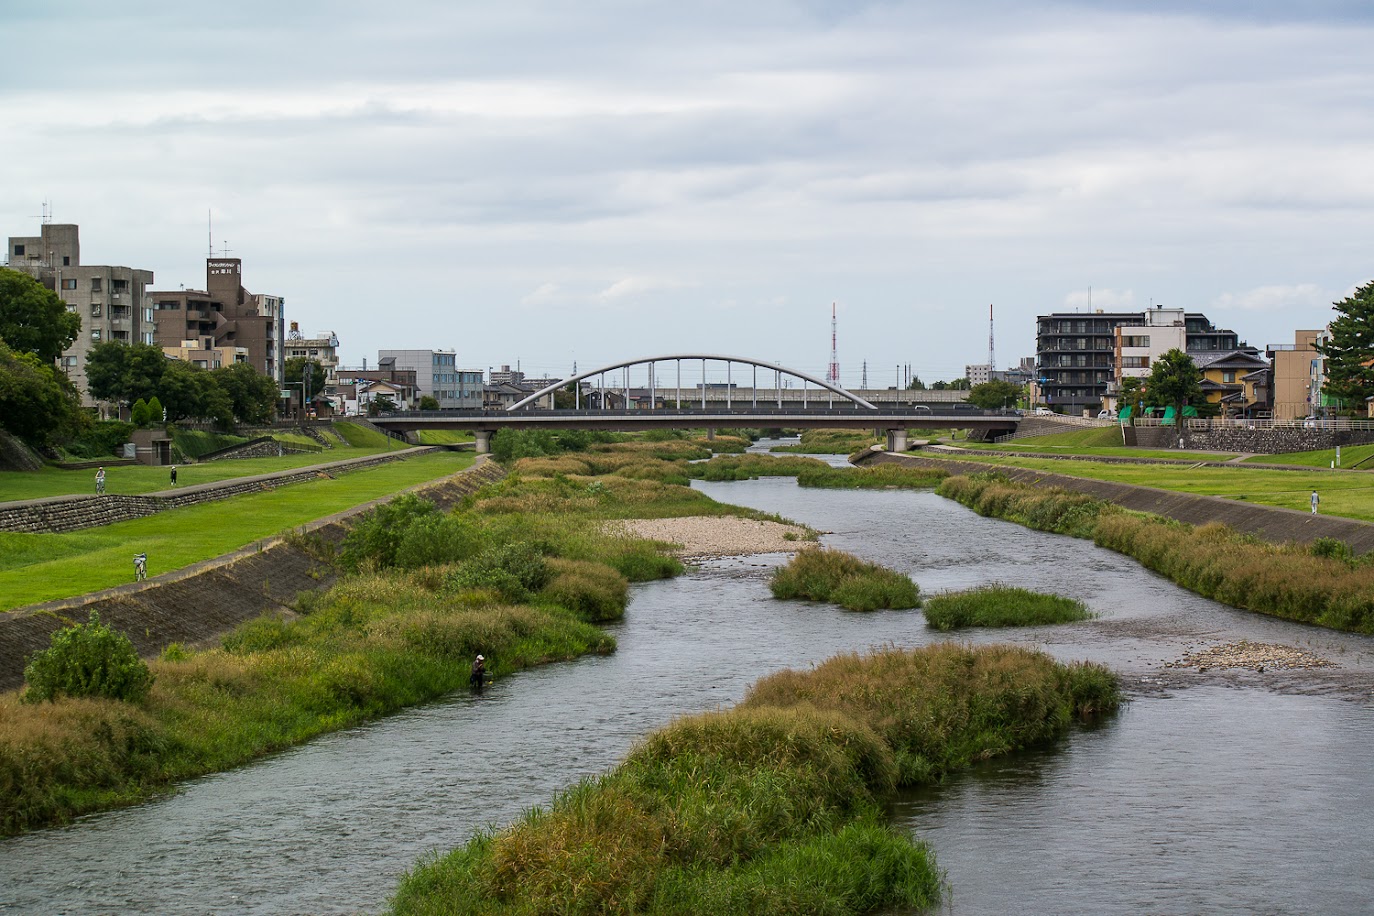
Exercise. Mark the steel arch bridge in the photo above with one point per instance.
(678, 358)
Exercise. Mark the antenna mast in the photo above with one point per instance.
(992, 360)
(833, 374)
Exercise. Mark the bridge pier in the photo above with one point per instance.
(483, 441)
(896, 440)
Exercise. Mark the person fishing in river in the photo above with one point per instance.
(479, 673)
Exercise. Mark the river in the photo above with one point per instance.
(1226, 793)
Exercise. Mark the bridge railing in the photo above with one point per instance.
(770, 410)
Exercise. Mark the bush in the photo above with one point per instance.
(514, 570)
(593, 591)
(87, 660)
(378, 535)
(832, 575)
(1001, 606)
(101, 440)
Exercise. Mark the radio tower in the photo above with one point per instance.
(832, 375)
(992, 360)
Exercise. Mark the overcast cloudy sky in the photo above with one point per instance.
(555, 182)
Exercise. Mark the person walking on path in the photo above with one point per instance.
(174, 475)
(1315, 500)
(100, 481)
(479, 672)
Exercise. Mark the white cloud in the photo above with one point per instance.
(1273, 298)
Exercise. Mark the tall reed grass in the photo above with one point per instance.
(1321, 585)
(876, 477)
(1000, 605)
(774, 806)
(821, 574)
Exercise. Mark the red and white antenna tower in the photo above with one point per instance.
(832, 374)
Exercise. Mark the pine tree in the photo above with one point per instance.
(1350, 351)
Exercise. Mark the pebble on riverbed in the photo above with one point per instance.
(1257, 656)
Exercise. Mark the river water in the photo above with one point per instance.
(1207, 794)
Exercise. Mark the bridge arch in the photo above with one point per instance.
(703, 357)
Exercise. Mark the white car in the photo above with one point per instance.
(1106, 415)
(1043, 412)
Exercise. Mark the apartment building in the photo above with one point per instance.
(224, 314)
(1076, 353)
(437, 375)
(1298, 373)
(112, 301)
(322, 349)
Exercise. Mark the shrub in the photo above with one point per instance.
(138, 414)
(514, 570)
(102, 439)
(1001, 606)
(593, 591)
(377, 536)
(832, 575)
(87, 660)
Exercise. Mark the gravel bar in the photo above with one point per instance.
(718, 536)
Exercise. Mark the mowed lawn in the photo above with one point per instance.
(42, 567)
(1090, 442)
(1345, 493)
(138, 478)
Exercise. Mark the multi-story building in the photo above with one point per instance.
(224, 314)
(323, 349)
(197, 354)
(1076, 353)
(112, 301)
(437, 375)
(1298, 375)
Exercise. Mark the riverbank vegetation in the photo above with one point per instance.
(1000, 605)
(521, 573)
(829, 442)
(1322, 584)
(820, 574)
(874, 477)
(774, 806)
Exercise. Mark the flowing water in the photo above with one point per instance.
(1248, 793)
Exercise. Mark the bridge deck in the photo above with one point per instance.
(720, 418)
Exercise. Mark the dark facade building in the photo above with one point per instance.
(224, 314)
(1075, 353)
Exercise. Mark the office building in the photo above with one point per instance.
(437, 375)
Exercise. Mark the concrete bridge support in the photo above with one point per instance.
(896, 440)
(483, 437)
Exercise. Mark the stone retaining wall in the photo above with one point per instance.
(73, 513)
(202, 602)
(1264, 441)
(261, 447)
(1268, 523)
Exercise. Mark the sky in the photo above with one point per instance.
(556, 184)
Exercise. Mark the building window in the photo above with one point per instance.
(147, 314)
(1228, 376)
(95, 336)
(148, 337)
(18, 249)
(95, 284)
(66, 261)
(95, 309)
(168, 305)
(1135, 362)
(119, 286)
(69, 284)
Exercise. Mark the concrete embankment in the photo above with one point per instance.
(1269, 523)
(205, 600)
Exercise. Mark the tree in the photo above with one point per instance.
(1131, 393)
(34, 319)
(124, 372)
(382, 403)
(37, 403)
(916, 384)
(1350, 351)
(191, 393)
(138, 414)
(428, 402)
(252, 395)
(1174, 381)
(994, 394)
(294, 371)
(565, 398)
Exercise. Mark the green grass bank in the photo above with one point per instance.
(774, 806)
(820, 574)
(1323, 585)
